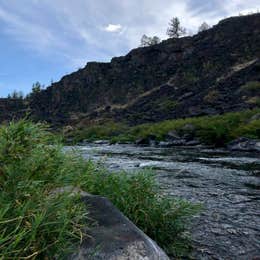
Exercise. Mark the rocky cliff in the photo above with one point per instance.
(204, 74)
(12, 109)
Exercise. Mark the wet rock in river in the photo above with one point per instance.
(178, 142)
(244, 144)
(101, 142)
(193, 143)
(172, 135)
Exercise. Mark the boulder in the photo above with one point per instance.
(188, 132)
(149, 140)
(172, 135)
(101, 142)
(244, 144)
(113, 236)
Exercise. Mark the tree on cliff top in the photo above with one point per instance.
(149, 41)
(204, 26)
(15, 95)
(175, 30)
(36, 87)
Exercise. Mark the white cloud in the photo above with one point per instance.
(113, 28)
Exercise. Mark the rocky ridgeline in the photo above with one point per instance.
(190, 76)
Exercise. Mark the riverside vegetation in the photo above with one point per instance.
(215, 130)
(36, 222)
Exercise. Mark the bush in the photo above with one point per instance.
(104, 131)
(212, 96)
(33, 223)
(37, 223)
(252, 87)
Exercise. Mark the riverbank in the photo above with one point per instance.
(216, 131)
(35, 221)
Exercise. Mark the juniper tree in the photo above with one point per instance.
(175, 30)
(203, 27)
(149, 41)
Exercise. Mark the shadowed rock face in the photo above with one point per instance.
(114, 237)
(11, 109)
(190, 76)
(178, 78)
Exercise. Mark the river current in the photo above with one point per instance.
(227, 184)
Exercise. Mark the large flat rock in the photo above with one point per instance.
(114, 236)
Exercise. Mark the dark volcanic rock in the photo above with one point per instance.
(149, 140)
(12, 109)
(115, 237)
(244, 144)
(190, 76)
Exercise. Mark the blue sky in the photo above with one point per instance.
(42, 40)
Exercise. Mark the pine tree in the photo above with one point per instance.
(175, 30)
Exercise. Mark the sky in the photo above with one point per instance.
(43, 40)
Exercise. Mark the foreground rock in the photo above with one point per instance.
(115, 237)
(244, 144)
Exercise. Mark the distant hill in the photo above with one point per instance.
(213, 72)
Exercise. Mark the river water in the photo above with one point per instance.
(227, 184)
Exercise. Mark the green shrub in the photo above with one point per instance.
(168, 105)
(252, 87)
(214, 130)
(250, 130)
(33, 223)
(254, 101)
(212, 96)
(104, 131)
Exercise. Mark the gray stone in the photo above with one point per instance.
(149, 140)
(244, 144)
(178, 142)
(113, 236)
(172, 135)
(101, 142)
(193, 143)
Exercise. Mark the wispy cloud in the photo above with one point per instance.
(75, 31)
(31, 34)
(113, 28)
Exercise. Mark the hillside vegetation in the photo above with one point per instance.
(213, 130)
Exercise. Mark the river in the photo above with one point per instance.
(227, 184)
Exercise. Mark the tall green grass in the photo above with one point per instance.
(33, 222)
(36, 222)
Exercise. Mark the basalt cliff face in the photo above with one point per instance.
(191, 76)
